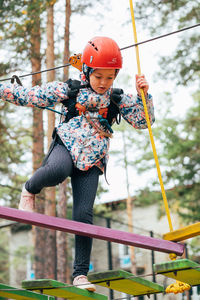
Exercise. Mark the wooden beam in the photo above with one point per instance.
(125, 282)
(183, 233)
(61, 290)
(93, 231)
(183, 270)
(9, 292)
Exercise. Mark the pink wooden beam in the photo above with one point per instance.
(98, 232)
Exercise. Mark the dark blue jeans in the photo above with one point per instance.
(56, 169)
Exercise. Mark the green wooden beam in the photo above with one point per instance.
(8, 292)
(125, 282)
(62, 290)
(183, 270)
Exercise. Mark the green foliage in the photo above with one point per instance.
(165, 16)
(101, 189)
(4, 256)
(17, 24)
(195, 249)
(147, 197)
(18, 20)
(19, 257)
(4, 67)
(103, 210)
(180, 160)
(178, 139)
(14, 141)
(15, 228)
(79, 7)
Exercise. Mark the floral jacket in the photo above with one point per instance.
(86, 146)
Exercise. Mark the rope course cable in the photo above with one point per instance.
(161, 36)
(124, 48)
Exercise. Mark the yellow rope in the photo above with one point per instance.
(148, 122)
(177, 287)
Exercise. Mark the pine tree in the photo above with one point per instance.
(179, 157)
(15, 143)
(182, 153)
(161, 17)
(177, 138)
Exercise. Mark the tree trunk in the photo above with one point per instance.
(66, 38)
(61, 237)
(50, 193)
(38, 147)
(62, 245)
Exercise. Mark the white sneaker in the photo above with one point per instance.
(82, 282)
(27, 201)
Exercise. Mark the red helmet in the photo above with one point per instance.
(102, 53)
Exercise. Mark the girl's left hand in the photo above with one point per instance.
(141, 83)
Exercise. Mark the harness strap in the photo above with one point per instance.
(97, 128)
(82, 109)
(102, 111)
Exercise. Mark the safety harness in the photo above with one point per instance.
(106, 116)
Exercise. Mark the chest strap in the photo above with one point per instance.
(96, 127)
(82, 109)
(103, 114)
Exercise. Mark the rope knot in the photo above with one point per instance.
(172, 256)
(177, 287)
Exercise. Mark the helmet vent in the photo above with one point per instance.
(93, 45)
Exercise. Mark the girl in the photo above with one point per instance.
(81, 141)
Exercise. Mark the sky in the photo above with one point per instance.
(113, 23)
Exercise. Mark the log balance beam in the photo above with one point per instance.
(93, 231)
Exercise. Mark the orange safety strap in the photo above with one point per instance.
(82, 109)
(103, 112)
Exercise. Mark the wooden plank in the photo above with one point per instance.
(93, 231)
(183, 270)
(9, 292)
(125, 282)
(183, 233)
(60, 289)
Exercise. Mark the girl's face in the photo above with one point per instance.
(102, 79)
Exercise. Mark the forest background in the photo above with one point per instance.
(36, 35)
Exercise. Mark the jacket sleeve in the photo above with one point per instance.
(39, 96)
(132, 110)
